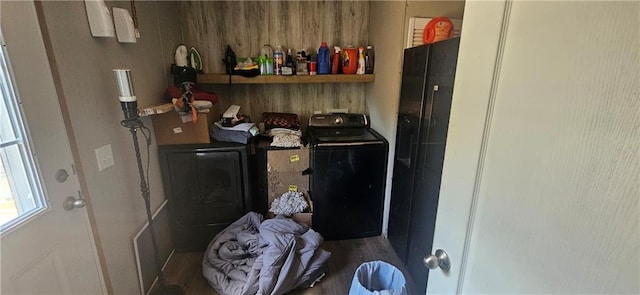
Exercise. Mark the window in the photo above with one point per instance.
(21, 193)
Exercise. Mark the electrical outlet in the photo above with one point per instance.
(104, 155)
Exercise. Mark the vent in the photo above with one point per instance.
(416, 29)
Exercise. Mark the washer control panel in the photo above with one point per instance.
(338, 120)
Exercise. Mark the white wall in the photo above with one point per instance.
(388, 39)
(543, 197)
(382, 96)
(85, 65)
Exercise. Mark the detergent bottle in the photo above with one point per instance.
(324, 65)
(349, 60)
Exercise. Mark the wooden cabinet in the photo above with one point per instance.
(207, 188)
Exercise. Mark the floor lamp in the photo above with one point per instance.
(132, 121)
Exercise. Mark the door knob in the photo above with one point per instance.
(71, 203)
(440, 259)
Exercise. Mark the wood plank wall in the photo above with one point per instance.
(247, 25)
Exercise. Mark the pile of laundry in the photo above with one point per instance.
(274, 256)
(284, 128)
(233, 127)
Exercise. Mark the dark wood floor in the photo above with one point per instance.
(185, 269)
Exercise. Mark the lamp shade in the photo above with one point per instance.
(125, 85)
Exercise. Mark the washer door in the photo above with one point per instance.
(347, 189)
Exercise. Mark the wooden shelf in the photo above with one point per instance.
(277, 79)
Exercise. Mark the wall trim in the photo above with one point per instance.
(495, 81)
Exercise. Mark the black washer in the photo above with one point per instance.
(348, 179)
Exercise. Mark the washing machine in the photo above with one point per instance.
(348, 175)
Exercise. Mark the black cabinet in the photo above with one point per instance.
(207, 188)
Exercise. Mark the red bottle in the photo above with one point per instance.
(335, 60)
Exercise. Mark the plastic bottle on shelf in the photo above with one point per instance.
(360, 69)
(335, 63)
(266, 60)
(313, 64)
(369, 59)
(349, 60)
(278, 60)
(301, 63)
(289, 66)
(262, 63)
(324, 65)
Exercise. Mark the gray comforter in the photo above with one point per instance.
(252, 256)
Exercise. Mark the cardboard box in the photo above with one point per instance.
(288, 160)
(285, 172)
(285, 169)
(279, 183)
(305, 217)
(169, 129)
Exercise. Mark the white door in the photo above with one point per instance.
(540, 187)
(53, 251)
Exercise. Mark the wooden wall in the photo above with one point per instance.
(247, 25)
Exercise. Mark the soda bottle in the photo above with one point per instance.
(369, 60)
(262, 63)
(289, 67)
(266, 60)
(278, 60)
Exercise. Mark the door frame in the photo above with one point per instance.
(97, 242)
(484, 29)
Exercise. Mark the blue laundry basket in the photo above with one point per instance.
(378, 277)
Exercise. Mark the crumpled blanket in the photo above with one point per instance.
(274, 256)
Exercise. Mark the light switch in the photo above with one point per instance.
(104, 155)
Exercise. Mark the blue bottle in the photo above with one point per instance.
(324, 63)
